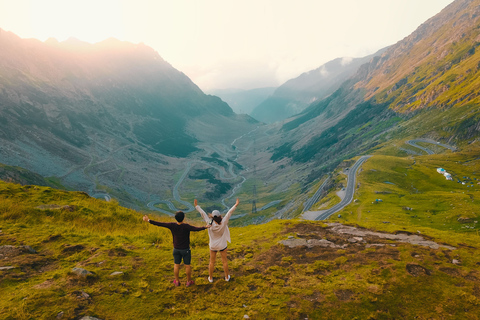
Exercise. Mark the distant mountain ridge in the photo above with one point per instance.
(296, 94)
(99, 115)
(243, 101)
(425, 85)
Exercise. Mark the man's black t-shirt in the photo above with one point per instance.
(180, 233)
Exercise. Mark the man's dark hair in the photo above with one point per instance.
(179, 216)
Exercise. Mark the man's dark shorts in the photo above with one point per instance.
(178, 255)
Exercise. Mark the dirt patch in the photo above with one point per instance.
(344, 295)
(117, 252)
(476, 290)
(27, 266)
(417, 270)
(57, 207)
(471, 277)
(13, 251)
(44, 285)
(450, 271)
(69, 249)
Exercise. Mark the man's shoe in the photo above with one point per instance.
(176, 283)
(210, 280)
(190, 283)
(227, 278)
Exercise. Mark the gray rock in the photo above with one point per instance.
(116, 273)
(29, 249)
(293, 243)
(375, 245)
(60, 315)
(6, 268)
(457, 262)
(81, 272)
(355, 239)
(12, 251)
(400, 237)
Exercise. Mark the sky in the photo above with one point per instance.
(223, 44)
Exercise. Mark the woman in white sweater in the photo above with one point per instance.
(219, 235)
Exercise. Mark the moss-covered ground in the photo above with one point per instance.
(270, 280)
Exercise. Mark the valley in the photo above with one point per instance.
(421, 239)
(360, 190)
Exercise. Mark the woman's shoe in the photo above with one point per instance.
(189, 283)
(228, 278)
(176, 283)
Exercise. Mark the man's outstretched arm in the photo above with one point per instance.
(156, 223)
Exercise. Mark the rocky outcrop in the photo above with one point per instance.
(12, 251)
(81, 272)
(352, 235)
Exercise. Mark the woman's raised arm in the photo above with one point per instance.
(202, 213)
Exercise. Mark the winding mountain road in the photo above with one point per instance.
(310, 202)
(413, 143)
(350, 190)
(224, 154)
(325, 214)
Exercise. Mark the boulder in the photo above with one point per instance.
(6, 268)
(8, 250)
(81, 272)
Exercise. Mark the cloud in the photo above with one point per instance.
(323, 71)
(346, 61)
(238, 74)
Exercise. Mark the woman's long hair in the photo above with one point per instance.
(217, 219)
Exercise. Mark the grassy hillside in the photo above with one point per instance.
(413, 193)
(371, 278)
(24, 177)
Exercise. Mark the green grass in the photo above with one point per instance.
(270, 281)
(415, 197)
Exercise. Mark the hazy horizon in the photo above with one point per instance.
(222, 44)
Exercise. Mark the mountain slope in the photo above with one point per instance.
(282, 269)
(110, 115)
(296, 94)
(243, 101)
(396, 94)
(66, 87)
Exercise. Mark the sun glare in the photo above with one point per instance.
(87, 20)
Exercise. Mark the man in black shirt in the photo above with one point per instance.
(181, 244)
